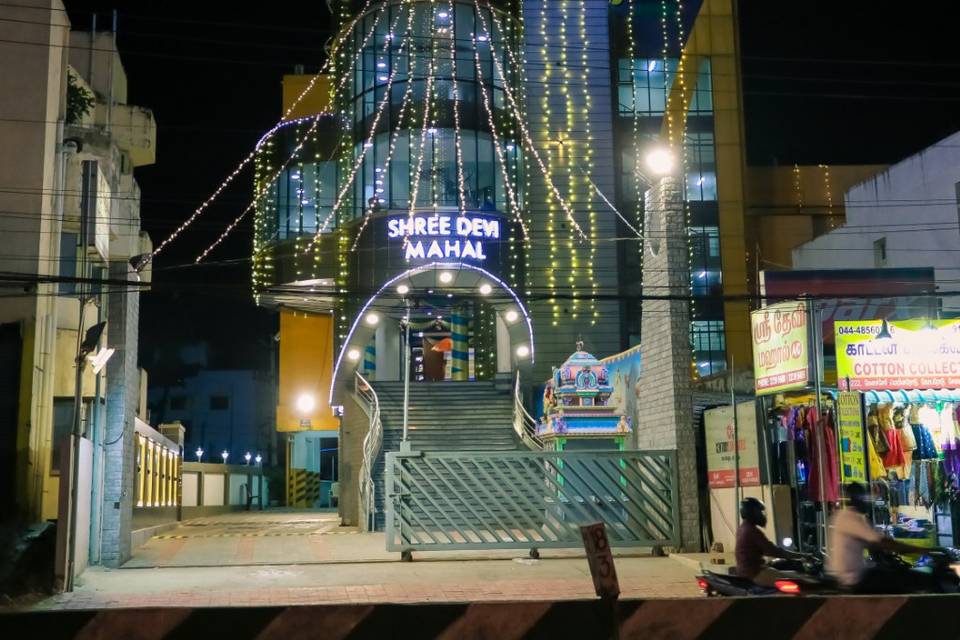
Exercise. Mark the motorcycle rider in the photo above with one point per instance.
(753, 545)
(851, 535)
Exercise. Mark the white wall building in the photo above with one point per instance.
(906, 216)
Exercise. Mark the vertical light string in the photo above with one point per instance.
(428, 93)
(511, 37)
(495, 138)
(452, 32)
(588, 152)
(687, 143)
(550, 202)
(527, 139)
(828, 192)
(637, 177)
(567, 152)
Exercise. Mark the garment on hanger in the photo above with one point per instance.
(926, 449)
(893, 459)
(875, 432)
(877, 469)
(822, 442)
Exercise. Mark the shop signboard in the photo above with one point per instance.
(911, 354)
(853, 466)
(722, 448)
(780, 347)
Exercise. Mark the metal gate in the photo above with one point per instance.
(526, 499)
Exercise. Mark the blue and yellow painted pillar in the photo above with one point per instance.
(460, 336)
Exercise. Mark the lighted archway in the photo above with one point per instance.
(465, 277)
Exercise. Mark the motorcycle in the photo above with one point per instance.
(807, 577)
(799, 576)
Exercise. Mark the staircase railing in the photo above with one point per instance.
(371, 449)
(523, 423)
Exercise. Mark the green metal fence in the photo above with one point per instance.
(527, 499)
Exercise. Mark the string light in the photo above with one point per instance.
(368, 143)
(384, 172)
(428, 94)
(250, 156)
(551, 207)
(456, 109)
(495, 138)
(588, 149)
(259, 194)
(531, 147)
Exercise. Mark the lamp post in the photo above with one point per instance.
(247, 457)
(225, 455)
(199, 453)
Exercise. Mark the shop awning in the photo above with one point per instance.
(927, 395)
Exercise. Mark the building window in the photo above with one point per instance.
(178, 403)
(709, 346)
(701, 162)
(219, 403)
(880, 252)
(643, 91)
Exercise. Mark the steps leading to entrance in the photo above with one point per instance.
(443, 416)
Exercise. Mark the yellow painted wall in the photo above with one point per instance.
(714, 35)
(306, 366)
(316, 101)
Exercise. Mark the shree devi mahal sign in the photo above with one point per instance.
(445, 236)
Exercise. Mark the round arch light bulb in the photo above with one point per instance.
(446, 277)
(372, 319)
(353, 355)
(523, 351)
(485, 289)
(403, 289)
(511, 316)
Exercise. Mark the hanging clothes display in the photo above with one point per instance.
(824, 484)
(893, 459)
(926, 449)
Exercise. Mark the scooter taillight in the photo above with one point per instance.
(787, 586)
(703, 583)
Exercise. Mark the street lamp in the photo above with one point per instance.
(247, 457)
(224, 455)
(199, 453)
(660, 161)
(258, 459)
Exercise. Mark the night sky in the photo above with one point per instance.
(824, 81)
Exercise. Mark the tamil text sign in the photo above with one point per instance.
(912, 354)
(780, 347)
(852, 449)
(724, 440)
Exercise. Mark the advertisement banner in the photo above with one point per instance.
(912, 354)
(855, 294)
(718, 430)
(780, 347)
(853, 456)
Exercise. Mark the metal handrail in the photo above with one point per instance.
(371, 449)
(523, 423)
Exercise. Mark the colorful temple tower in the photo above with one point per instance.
(576, 413)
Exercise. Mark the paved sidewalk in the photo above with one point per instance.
(400, 582)
(288, 558)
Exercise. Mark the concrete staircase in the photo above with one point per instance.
(444, 416)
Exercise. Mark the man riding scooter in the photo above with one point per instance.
(851, 535)
(753, 545)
